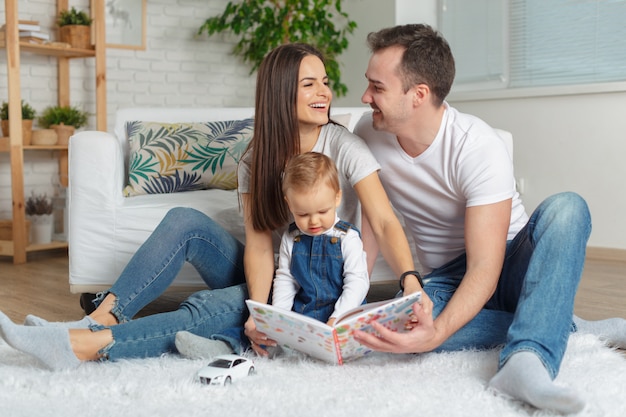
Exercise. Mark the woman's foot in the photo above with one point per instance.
(49, 344)
(84, 323)
(197, 347)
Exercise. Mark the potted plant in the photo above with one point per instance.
(262, 25)
(28, 114)
(39, 209)
(64, 120)
(74, 28)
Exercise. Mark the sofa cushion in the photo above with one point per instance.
(174, 157)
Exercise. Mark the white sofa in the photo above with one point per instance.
(106, 228)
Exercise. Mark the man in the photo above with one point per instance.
(494, 275)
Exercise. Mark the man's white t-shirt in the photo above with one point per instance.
(466, 165)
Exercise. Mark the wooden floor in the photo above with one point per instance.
(41, 287)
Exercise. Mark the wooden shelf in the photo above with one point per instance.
(5, 146)
(53, 50)
(7, 247)
(45, 148)
(46, 246)
(13, 145)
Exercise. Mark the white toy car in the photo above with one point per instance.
(224, 369)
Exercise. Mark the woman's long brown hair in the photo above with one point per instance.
(276, 136)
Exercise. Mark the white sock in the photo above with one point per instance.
(197, 347)
(50, 344)
(525, 378)
(612, 331)
(83, 323)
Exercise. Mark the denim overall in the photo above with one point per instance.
(317, 266)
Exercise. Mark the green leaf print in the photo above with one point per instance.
(141, 168)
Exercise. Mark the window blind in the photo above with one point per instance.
(537, 42)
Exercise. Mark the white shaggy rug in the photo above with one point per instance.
(438, 385)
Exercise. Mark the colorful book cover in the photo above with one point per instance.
(331, 344)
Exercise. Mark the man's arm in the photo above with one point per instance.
(486, 230)
(383, 224)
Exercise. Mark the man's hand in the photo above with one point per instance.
(420, 338)
(257, 339)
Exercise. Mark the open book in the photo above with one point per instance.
(331, 344)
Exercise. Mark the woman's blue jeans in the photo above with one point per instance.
(184, 235)
(533, 305)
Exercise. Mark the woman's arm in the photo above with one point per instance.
(387, 230)
(370, 246)
(258, 261)
(258, 257)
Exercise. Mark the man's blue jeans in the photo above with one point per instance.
(533, 305)
(184, 235)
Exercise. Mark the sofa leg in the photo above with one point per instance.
(86, 302)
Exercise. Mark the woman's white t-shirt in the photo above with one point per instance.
(354, 162)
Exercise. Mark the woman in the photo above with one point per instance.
(291, 116)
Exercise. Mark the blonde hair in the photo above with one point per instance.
(305, 171)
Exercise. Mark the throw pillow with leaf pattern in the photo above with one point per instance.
(175, 157)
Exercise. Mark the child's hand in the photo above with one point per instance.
(331, 321)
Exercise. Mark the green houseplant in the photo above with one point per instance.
(262, 25)
(64, 120)
(74, 28)
(28, 114)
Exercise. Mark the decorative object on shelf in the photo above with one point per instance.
(260, 29)
(44, 137)
(64, 120)
(39, 211)
(28, 114)
(74, 28)
(29, 31)
(6, 229)
(60, 213)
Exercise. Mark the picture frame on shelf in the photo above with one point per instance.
(125, 22)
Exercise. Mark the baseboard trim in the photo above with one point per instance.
(606, 254)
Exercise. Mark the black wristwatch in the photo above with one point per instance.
(415, 274)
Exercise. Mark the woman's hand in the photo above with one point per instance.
(412, 285)
(420, 338)
(258, 340)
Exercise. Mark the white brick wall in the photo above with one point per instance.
(177, 68)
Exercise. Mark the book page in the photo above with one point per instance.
(392, 314)
(295, 331)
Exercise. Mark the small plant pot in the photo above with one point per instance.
(41, 227)
(27, 130)
(78, 36)
(64, 133)
(45, 137)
